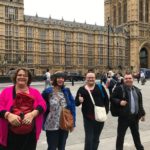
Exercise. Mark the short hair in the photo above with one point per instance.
(128, 73)
(90, 71)
(27, 71)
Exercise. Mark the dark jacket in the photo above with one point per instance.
(87, 105)
(122, 94)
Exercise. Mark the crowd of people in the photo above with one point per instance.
(24, 111)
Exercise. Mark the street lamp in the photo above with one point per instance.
(5, 63)
(108, 27)
(65, 54)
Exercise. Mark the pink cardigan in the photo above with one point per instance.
(6, 101)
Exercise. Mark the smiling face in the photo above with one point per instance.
(128, 80)
(60, 81)
(22, 78)
(90, 78)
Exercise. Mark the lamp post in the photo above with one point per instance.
(108, 27)
(65, 55)
(5, 63)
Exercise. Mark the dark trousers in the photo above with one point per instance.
(133, 123)
(92, 133)
(20, 142)
(56, 139)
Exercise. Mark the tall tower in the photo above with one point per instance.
(11, 21)
(134, 17)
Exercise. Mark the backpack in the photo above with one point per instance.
(101, 90)
(23, 104)
(44, 77)
(112, 83)
(114, 109)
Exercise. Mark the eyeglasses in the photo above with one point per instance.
(22, 75)
(90, 77)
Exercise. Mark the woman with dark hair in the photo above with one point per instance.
(21, 113)
(57, 97)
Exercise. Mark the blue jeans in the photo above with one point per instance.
(56, 139)
(92, 130)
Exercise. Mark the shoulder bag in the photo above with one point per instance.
(100, 112)
(66, 118)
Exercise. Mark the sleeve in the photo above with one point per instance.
(2, 104)
(40, 109)
(77, 102)
(45, 95)
(40, 102)
(2, 114)
(141, 108)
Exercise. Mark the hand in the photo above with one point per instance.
(72, 129)
(123, 102)
(81, 99)
(14, 120)
(142, 118)
(30, 116)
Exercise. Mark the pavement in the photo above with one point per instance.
(75, 140)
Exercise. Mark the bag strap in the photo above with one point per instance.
(90, 95)
(123, 91)
(100, 87)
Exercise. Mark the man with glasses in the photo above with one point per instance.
(128, 101)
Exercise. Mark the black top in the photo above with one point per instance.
(87, 105)
(117, 96)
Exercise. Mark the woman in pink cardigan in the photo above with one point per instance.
(20, 130)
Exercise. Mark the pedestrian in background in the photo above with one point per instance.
(47, 78)
(142, 77)
(138, 77)
(92, 127)
(10, 140)
(104, 78)
(57, 96)
(111, 82)
(129, 107)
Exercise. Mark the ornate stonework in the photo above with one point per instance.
(40, 43)
(133, 16)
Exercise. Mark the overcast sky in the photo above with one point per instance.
(90, 10)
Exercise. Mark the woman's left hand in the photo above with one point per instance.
(28, 118)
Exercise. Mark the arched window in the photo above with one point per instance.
(143, 58)
(141, 10)
(146, 10)
(125, 11)
(119, 14)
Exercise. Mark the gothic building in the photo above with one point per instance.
(40, 43)
(134, 17)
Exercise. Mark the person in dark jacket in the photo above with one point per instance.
(92, 127)
(129, 105)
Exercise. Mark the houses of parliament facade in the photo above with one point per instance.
(40, 43)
